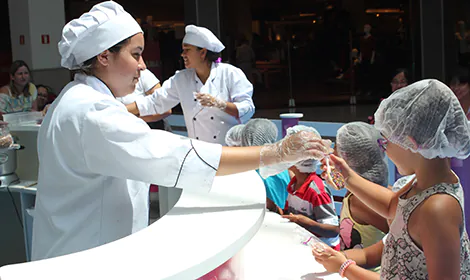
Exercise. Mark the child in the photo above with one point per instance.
(234, 136)
(259, 132)
(422, 125)
(360, 226)
(309, 203)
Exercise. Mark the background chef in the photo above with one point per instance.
(214, 96)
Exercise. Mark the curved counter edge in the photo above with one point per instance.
(201, 232)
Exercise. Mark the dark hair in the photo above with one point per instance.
(211, 56)
(88, 66)
(48, 88)
(17, 64)
(405, 72)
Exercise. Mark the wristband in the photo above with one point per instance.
(344, 266)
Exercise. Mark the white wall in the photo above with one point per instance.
(19, 25)
(47, 17)
(33, 18)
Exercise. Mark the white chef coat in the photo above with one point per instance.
(146, 82)
(93, 158)
(203, 123)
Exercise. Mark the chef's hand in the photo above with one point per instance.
(329, 258)
(208, 100)
(303, 145)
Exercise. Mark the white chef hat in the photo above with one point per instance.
(203, 38)
(105, 25)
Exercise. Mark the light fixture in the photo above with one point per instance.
(377, 15)
(384, 11)
(314, 21)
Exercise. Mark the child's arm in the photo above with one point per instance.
(366, 216)
(438, 228)
(333, 260)
(380, 199)
(368, 257)
(271, 206)
(315, 227)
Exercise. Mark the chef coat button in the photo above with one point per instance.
(212, 118)
(195, 99)
(197, 138)
(194, 119)
(215, 137)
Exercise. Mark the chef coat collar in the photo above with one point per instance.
(94, 82)
(212, 75)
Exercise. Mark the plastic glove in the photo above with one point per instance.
(281, 155)
(208, 100)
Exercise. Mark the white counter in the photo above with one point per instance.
(276, 254)
(200, 233)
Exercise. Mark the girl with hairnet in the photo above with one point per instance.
(360, 226)
(422, 126)
(259, 132)
(309, 202)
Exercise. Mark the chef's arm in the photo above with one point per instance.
(156, 117)
(133, 109)
(232, 110)
(293, 148)
(150, 91)
(241, 93)
(158, 100)
(238, 159)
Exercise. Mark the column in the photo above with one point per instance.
(35, 30)
(204, 13)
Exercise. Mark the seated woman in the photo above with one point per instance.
(259, 132)
(20, 94)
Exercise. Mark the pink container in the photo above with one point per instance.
(229, 270)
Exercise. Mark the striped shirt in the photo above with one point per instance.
(314, 201)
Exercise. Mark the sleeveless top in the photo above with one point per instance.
(354, 235)
(21, 103)
(402, 258)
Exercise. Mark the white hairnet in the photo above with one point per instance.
(234, 136)
(309, 165)
(426, 118)
(259, 132)
(357, 144)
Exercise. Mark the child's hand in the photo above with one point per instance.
(329, 258)
(339, 164)
(295, 218)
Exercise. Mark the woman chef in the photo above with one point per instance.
(222, 89)
(95, 157)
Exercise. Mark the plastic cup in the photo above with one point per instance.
(289, 120)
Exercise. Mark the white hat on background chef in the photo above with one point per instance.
(203, 38)
(105, 25)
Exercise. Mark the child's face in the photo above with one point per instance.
(402, 158)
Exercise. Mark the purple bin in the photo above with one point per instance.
(289, 120)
